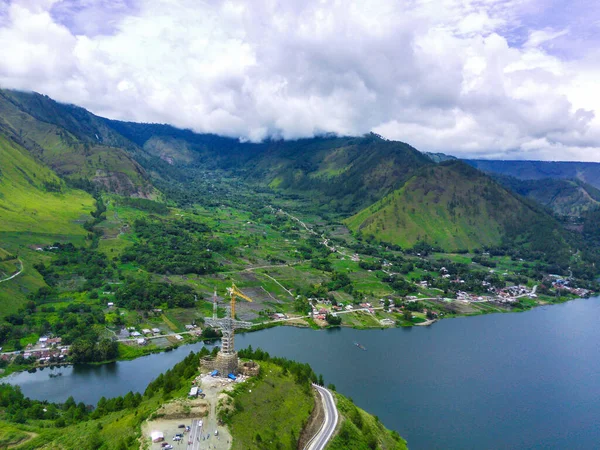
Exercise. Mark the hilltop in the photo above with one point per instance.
(450, 205)
(252, 410)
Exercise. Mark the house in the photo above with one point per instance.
(110, 304)
(141, 341)
(136, 334)
(190, 327)
(156, 330)
(179, 337)
(146, 331)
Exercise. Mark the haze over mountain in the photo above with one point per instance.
(394, 192)
(494, 79)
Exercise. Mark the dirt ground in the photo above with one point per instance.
(184, 411)
(314, 422)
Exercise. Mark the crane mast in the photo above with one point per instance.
(226, 361)
(235, 292)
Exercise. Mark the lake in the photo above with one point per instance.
(500, 381)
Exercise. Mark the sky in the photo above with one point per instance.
(501, 79)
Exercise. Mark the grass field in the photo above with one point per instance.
(34, 200)
(362, 431)
(262, 404)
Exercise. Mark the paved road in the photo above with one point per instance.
(195, 435)
(331, 419)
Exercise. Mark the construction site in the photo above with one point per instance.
(226, 363)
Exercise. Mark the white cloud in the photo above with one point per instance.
(440, 75)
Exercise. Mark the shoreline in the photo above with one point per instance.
(267, 325)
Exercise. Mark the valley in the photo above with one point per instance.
(120, 240)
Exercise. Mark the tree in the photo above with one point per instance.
(407, 315)
(333, 320)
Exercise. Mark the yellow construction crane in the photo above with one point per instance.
(235, 292)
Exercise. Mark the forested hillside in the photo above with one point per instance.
(451, 206)
(392, 191)
(343, 174)
(562, 196)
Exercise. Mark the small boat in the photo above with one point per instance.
(362, 347)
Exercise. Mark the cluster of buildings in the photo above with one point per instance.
(565, 286)
(141, 337)
(48, 350)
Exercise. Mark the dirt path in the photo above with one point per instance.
(29, 437)
(16, 274)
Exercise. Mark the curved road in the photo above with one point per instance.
(16, 274)
(321, 439)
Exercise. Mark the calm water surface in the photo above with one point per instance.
(501, 381)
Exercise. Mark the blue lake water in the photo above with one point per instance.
(500, 381)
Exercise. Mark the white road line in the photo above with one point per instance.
(325, 433)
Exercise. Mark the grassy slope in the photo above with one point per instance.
(26, 203)
(118, 430)
(450, 205)
(345, 173)
(362, 431)
(276, 396)
(69, 143)
(276, 409)
(566, 197)
(32, 216)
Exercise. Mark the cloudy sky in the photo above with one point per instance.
(511, 79)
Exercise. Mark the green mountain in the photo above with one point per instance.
(73, 142)
(450, 205)
(562, 196)
(33, 199)
(588, 172)
(391, 190)
(36, 210)
(342, 173)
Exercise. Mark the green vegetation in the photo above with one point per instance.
(113, 424)
(587, 172)
(563, 197)
(232, 212)
(33, 199)
(450, 206)
(73, 142)
(254, 418)
(259, 406)
(362, 431)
